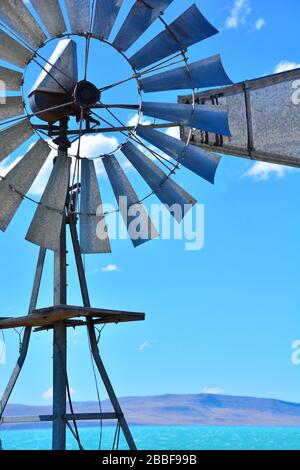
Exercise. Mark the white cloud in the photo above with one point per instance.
(213, 390)
(48, 394)
(259, 24)
(111, 268)
(262, 171)
(144, 345)
(286, 65)
(238, 14)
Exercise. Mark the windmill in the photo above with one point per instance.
(62, 107)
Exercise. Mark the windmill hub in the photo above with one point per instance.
(86, 93)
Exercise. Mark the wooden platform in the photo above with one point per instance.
(46, 317)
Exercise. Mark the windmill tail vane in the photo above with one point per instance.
(64, 108)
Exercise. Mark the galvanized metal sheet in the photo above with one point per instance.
(51, 16)
(10, 79)
(93, 230)
(204, 117)
(176, 199)
(11, 51)
(139, 19)
(190, 28)
(13, 107)
(13, 137)
(46, 225)
(201, 74)
(139, 225)
(197, 160)
(19, 181)
(263, 118)
(105, 16)
(61, 72)
(79, 15)
(18, 18)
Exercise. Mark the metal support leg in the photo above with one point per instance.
(60, 349)
(93, 341)
(27, 333)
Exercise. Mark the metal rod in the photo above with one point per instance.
(27, 333)
(60, 344)
(113, 129)
(93, 340)
(49, 418)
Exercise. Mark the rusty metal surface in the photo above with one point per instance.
(20, 178)
(19, 19)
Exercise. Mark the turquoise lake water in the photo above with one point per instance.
(165, 438)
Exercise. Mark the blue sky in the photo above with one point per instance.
(221, 319)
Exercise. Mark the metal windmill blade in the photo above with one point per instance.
(13, 137)
(169, 192)
(19, 180)
(139, 19)
(18, 18)
(46, 225)
(190, 28)
(204, 117)
(13, 52)
(79, 15)
(139, 225)
(51, 16)
(92, 218)
(199, 161)
(105, 16)
(201, 74)
(13, 107)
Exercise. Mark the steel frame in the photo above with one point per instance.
(60, 417)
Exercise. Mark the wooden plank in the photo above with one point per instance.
(49, 316)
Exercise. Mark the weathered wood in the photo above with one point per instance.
(49, 316)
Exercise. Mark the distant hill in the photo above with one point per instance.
(188, 410)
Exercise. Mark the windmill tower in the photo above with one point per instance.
(64, 108)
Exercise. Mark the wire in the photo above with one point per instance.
(76, 433)
(98, 395)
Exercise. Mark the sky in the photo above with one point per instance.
(219, 320)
